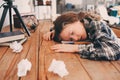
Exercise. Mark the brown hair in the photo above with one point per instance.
(90, 15)
(67, 18)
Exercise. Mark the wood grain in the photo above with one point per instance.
(38, 52)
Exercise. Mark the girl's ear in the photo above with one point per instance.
(52, 34)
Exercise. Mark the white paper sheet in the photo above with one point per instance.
(58, 67)
(23, 66)
(17, 47)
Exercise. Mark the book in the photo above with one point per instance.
(21, 41)
(11, 36)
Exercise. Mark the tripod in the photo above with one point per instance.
(9, 7)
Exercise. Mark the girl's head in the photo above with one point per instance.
(69, 26)
(61, 22)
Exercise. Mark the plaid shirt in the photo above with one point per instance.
(105, 45)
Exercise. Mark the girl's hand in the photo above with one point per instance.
(65, 48)
(48, 35)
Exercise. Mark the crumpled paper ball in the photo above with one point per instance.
(58, 67)
(17, 47)
(23, 66)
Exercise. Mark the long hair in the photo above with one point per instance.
(68, 18)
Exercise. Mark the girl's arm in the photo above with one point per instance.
(105, 45)
(65, 48)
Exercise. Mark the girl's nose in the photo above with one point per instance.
(74, 38)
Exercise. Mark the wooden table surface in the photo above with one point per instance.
(38, 52)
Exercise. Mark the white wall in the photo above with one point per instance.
(43, 12)
(74, 1)
(23, 6)
(54, 11)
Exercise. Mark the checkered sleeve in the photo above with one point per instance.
(104, 44)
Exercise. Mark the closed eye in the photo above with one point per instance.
(71, 39)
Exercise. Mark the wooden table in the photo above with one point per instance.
(38, 52)
(116, 30)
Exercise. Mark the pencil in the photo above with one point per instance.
(73, 42)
